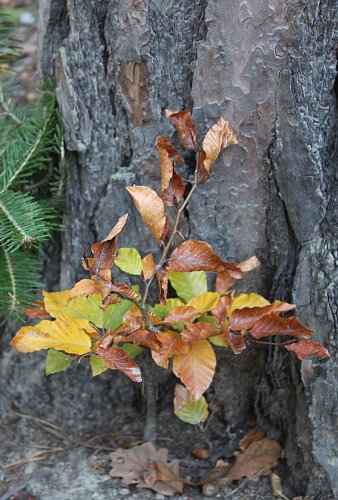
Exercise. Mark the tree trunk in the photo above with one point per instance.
(268, 68)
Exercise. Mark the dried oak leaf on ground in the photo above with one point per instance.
(147, 468)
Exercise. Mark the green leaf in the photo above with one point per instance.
(113, 317)
(131, 349)
(57, 361)
(129, 261)
(218, 341)
(189, 285)
(98, 365)
(162, 310)
(188, 409)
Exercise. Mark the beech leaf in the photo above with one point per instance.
(224, 280)
(206, 302)
(185, 127)
(196, 369)
(105, 251)
(168, 155)
(148, 266)
(197, 331)
(218, 137)
(187, 408)
(235, 341)
(171, 344)
(118, 359)
(151, 208)
(98, 365)
(147, 339)
(129, 261)
(87, 287)
(306, 348)
(173, 194)
(124, 290)
(63, 334)
(162, 279)
(37, 311)
(193, 255)
(220, 310)
(247, 317)
(184, 314)
(247, 300)
(272, 324)
(57, 361)
(189, 285)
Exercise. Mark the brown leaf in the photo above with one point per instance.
(163, 281)
(185, 127)
(109, 300)
(168, 155)
(197, 368)
(253, 435)
(147, 339)
(118, 359)
(148, 468)
(90, 287)
(257, 460)
(217, 472)
(38, 311)
(124, 290)
(272, 324)
(151, 208)
(218, 137)
(171, 344)
(306, 348)
(220, 311)
(105, 251)
(198, 331)
(224, 280)
(148, 266)
(172, 195)
(250, 264)
(184, 314)
(246, 318)
(235, 341)
(193, 255)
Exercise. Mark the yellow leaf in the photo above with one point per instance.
(64, 334)
(205, 302)
(197, 368)
(55, 302)
(247, 300)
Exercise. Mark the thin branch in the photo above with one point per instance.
(7, 111)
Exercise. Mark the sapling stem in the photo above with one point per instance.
(150, 427)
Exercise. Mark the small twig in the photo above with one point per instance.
(41, 421)
(6, 109)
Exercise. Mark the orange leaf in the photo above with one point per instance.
(221, 309)
(193, 255)
(272, 324)
(124, 290)
(224, 280)
(151, 208)
(246, 318)
(185, 127)
(306, 348)
(118, 359)
(235, 341)
(38, 311)
(218, 137)
(171, 344)
(148, 266)
(105, 251)
(253, 435)
(90, 287)
(185, 314)
(168, 155)
(147, 339)
(198, 331)
(197, 368)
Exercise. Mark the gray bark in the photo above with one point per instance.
(268, 68)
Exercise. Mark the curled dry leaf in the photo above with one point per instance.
(148, 266)
(221, 309)
(105, 251)
(256, 460)
(306, 348)
(147, 339)
(118, 359)
(171, 344)
(173, 194)
(163, 280)
(235, 341)
(124, 290)
(246, 318)
(272, 324)
(185, 127)
(196, 369)
(250, 264)
(184, 314)
(37, 311)
(90, 287)
(148, 468)
(198, 331)
(194, 255)
(151, 208)
(168, 155)
(224, 280)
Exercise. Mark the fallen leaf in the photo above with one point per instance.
(272, 324)
(185, 127)
(151, 208)
(247, 317)
(137, 464)
(118, 359)
(196, 369)
(187, 408)
(198, 331)
(63, 334)
(276, 485)
(148, 266)
(184, 314)
(253, 435)
(256, 460)
(306, 348)
(193, 255)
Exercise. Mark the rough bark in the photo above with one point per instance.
(269, 68)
